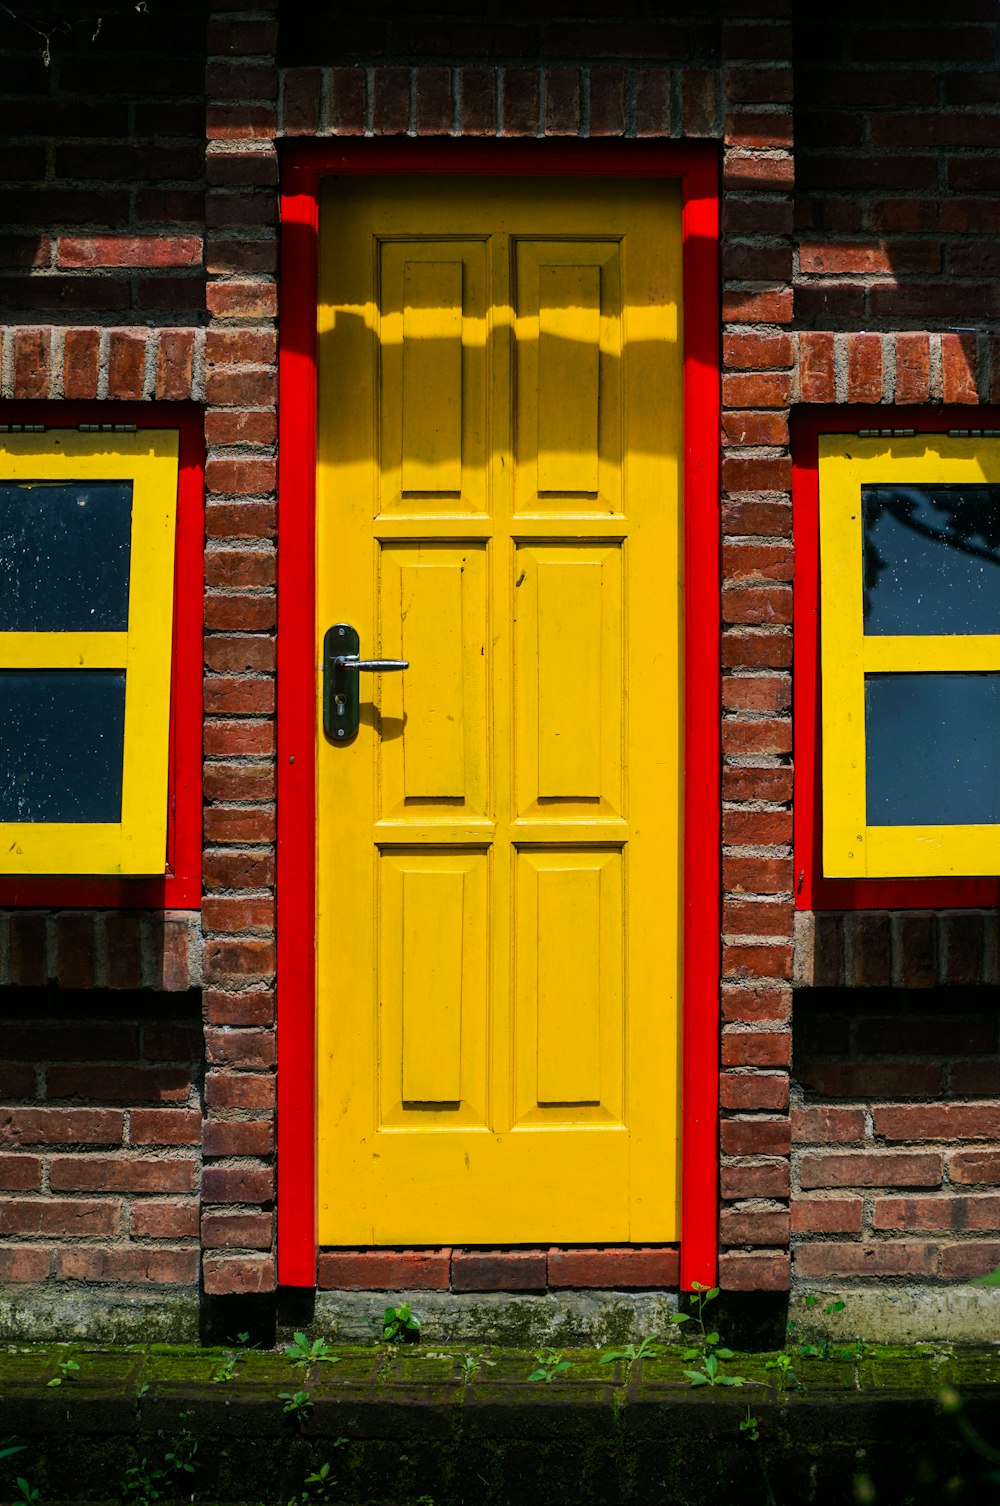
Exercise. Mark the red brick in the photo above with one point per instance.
(250, 958)
(754, 1090)
(75, 951)
(607, 102)
(238, 870)
(241, 519)
(347, 101)
(756, 918)
(979, 1079)
(31, 362)
(240, 1137)
(239, 122)
(20, 1173)
(756, 1003)
(828, 1126)
(238, 781)
(749, 515)
(239, 824)
(479, 103)
(754, 1271)
(162, 1220)
(652, 102)
(392, 101)
(758, 389)
(124, 959)
(247, 1008)
(745, 561)
(164, 1127)
(654, 1266)
(75, 1217)
(234, 913)
(119, 1084)
(388, 1270)
(232, 695)
(757, 875)
(24, 1263)
(817, 375)
(243, 655)
(239, 1090)
(240, 612)
(81, 354)
(745, 427)
(126, 364)
(757, 1179)
(890, 1258)
(700, 107)
(944, 1121)
(757, 605)
(744, 828)
(755, 1137)
(29, 965)
(871, 1168)
(432, 101)
(740, 962)
(300, 114)
(228, 1275)
(225, 388)
(241, 300)
(958, 368)
(755, 783)
(128, 251)
(964, 1262)
(770, 307)
(562, 102)
(94, 1173)
(916, 1215)
(244, 568)
(521, 101)
(760, 1227)
(61, 1126)
(498, 1271)
(864, 368)
(133, 1264)
(913, 369)
(237, 1184)
(175, 364)
(827, 1215)
(227, 1231)
(870, 1079)
(756, 1048)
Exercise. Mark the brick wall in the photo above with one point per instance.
(100, 1135)
(896, 1164)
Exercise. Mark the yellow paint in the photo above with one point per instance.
(852, 848)
(499, 858)
(149, 460)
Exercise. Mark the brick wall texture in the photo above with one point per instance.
(859, 1084)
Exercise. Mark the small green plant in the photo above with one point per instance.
(710, 1374)
(750, 1427)
(646, 1349)
(297, 1404)
(226, 1371)
(142, 1391)
(703, 1338)
(67, 1369)
(26, 1492)
(304, 1355)
(320, 1479)
(142, 1482)
(781, 1364)
(400, 1325)
(550, 1366)
(179, 1457)
(14, 1448)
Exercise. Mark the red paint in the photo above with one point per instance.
(696, 167)
(812, 890)
(180, 886)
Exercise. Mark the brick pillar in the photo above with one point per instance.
(240, 606)
(756, 645)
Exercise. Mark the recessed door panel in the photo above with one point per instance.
(499, 847)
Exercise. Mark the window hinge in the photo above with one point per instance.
(23, 428)
(106, 428)
(886, 433)
(974, 433)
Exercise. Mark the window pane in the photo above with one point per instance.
(931, 559)
(64, 556)
(933, 749)
(62, 739)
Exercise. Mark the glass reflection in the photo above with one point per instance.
(64, 556)
(932, 749)
(62, 739)
(931, 559)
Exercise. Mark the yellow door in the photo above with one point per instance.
(499, 858)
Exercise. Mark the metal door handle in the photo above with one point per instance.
(375, 666)
(341, 664)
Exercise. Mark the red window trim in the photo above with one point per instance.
(696, 166)
(180, 886)
(812, 890)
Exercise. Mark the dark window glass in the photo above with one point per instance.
(931, 559)
(933, 749)
(64, 556)
(62, 739)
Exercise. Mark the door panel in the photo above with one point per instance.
(498, 850)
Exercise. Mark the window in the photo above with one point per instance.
(87, 530)
(910, 661)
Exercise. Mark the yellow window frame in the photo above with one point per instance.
(138, 843)
(851, 847)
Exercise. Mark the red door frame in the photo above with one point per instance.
(696, 166)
